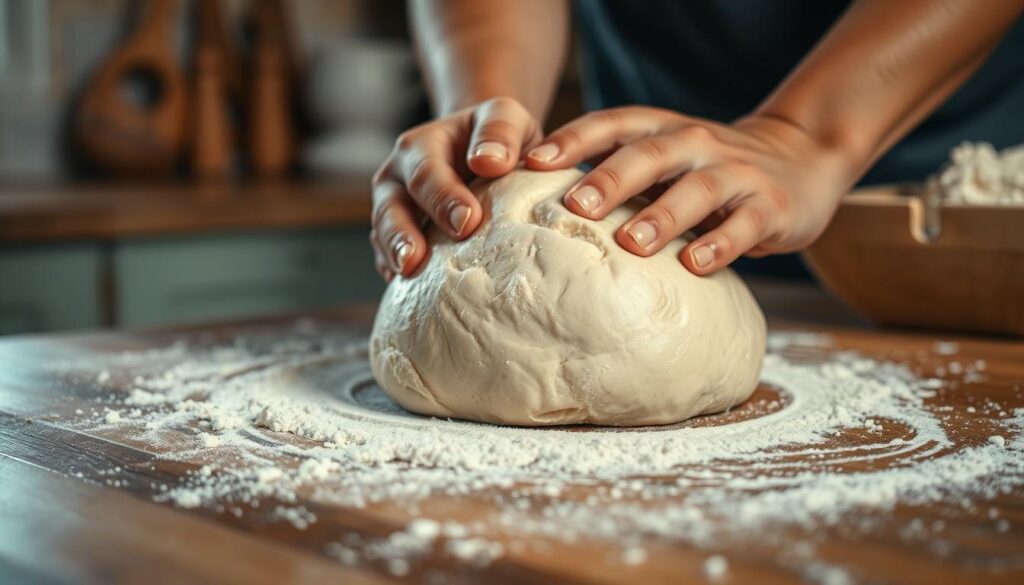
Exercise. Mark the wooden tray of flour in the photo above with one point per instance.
(902, 260)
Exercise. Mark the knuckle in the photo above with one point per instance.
(499, 128)
(612, 116)
(746, 172)
(420, 176)
(567, 138)
(606, 179)
(777, 199)
(381, 210)
(664, 216)
(653, 149)
(406, 140)
(758, 219)
(437, 199)
(695, 134)
(705, 186)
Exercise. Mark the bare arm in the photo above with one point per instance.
(474, 50)
(884, 67)
(492, 67)
(770, 182)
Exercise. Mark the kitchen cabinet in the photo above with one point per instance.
(153, 281)
(50, 287)
(86, 255)
(178, 280)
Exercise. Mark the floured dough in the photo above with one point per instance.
(541, 318)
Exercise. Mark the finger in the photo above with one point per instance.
(596, 133)
(710, 222)
(638, 166)
(501, 128)
(687, 203)
(745, 228)
(435, 187)
(380, 260)
(758, 251)
(395, 223)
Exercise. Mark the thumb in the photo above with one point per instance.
(502, 128)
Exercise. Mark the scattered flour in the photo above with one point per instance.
(634, 555)
(304, 415)
(716, 567)
(140, 397)
(209, 440)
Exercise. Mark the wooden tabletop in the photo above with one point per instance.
(52, 212)
(79, 507)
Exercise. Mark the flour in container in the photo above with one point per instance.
(978, 174)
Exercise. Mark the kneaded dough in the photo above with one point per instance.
(541, 318)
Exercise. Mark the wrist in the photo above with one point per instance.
(843, 157)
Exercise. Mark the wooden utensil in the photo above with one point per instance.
(271, 140)
(902, 262)
(123, 133)
(215, 78)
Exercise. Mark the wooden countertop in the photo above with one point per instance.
(57, 526)
(106, 211)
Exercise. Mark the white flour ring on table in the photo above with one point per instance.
(297, 417)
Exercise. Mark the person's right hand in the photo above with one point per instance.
(426, 174)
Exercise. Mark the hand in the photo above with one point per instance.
(426, 175)
(759, 186)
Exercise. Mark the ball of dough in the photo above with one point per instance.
(541, 318)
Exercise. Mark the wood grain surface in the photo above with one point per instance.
(106, 211)
(78, 507)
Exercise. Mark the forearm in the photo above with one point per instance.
(473, 50)
(884, 67)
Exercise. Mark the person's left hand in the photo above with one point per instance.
(759, 186)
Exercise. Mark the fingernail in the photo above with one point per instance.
(545, 153)
(403, 249)
(587, 197)
(491, 149)
(703, 255)
(643, 233)
(458, 217)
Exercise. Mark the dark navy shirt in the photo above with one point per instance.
(719, 59)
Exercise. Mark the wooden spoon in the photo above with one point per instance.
(129, 134)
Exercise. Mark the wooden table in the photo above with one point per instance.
(56, 526)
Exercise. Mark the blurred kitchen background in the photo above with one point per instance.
(175, 161)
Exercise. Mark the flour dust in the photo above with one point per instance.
(833, 440)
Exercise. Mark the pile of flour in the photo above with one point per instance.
(978, 174)
(265, 419)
